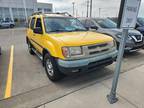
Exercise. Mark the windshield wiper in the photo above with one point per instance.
(57, 30)
(79, 30)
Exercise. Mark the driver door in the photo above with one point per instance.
(37, 37)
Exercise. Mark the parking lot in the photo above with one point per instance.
(29, 81)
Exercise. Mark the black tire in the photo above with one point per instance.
(30, 48)
(11, 26)
(55, 74)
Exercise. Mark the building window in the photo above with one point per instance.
(4, 13)
(47, 10)
(29, 12)
(39, 9)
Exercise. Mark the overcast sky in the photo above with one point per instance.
(103, 7)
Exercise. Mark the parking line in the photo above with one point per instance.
(9, 76)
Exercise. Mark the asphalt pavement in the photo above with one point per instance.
(30, 86)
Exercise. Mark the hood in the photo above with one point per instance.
(116, 31)
(81, 38)
(141, 28)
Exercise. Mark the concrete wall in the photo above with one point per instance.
(18, 3)
(45, 7)
(20, 10)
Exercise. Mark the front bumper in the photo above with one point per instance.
(88, 64)
(131, 47)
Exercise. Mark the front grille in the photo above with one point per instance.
(99, 48)
(95, 46)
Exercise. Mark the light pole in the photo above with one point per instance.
(87, 8)
(73, 8)
(91, 8)
(99, 12)
(24, 4)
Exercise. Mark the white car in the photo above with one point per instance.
(7, 24)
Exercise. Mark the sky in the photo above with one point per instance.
(101, 8)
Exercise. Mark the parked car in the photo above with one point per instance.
(106, 26)
(140, 25)
(66, 47)
(7, 24)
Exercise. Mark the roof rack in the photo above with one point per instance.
(64, 13)
(37, 13)
(60, 13)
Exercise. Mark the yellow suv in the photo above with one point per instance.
(65, 46)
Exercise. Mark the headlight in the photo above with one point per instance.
(72, 51)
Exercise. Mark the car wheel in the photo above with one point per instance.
(11, 26)
(51, 68)
(30, 49)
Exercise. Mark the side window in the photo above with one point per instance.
(32, 23)
(38, 23)
(38, 27)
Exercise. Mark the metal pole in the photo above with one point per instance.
(87, 8)
(76, 13)
(73, 8)
(112, 96)
(82, 13)
(91, 8)
(99, 12)
(24, 4)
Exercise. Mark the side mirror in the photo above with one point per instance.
(38, 30)
(94, 27)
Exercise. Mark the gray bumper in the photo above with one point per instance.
(85, 62)
(131, 46)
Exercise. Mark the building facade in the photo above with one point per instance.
(19, 10)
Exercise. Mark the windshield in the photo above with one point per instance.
(141, 21)
(58, 24)
(106, 23)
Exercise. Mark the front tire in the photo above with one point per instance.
(51, 68)
(11, 26)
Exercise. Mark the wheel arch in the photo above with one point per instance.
(44, 52)
(27, 40)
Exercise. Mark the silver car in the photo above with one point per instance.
(7, 24)
(135, 40)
